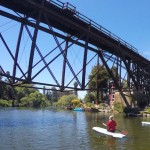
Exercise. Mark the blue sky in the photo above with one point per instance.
(128, 19)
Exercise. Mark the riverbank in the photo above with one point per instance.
(141, 114)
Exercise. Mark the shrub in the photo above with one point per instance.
(76, 103)
(66, 100)
(89, 104)
(148, 110)
(118, 107)
(5, 103)
(35, 99)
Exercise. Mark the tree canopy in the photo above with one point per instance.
(98, 77)
(25, 96)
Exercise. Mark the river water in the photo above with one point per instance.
(52, 129)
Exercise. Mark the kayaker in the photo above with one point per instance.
(111, 124)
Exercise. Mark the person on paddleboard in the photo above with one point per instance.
(111, 124)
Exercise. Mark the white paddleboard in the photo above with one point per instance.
(104, 131)
(145, 123)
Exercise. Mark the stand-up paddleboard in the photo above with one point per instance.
(104, 131)
(145, 123)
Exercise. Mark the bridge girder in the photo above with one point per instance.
(67, 28)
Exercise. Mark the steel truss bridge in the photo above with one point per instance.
(49, 43)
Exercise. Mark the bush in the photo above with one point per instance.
(5, 103)
(76, 103)
(118, 107)
(148, 110)
(66, 100)
(89, 98)
(102, 105)
(89, 104)
(35, 99)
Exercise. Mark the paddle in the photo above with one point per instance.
(123, 132)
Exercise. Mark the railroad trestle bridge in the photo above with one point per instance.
(55, 45)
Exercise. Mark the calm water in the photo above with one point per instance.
(52, 129)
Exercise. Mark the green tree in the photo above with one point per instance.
(28, 96)
(10, 92)
(89, 97)
(66, 100)
(35, 99)
(124, 84)
(5, 103)
(54, 94)
(98, 77)
(2, 86)
(114, 71)
(76, 103)
(24, 91)
(98, 81)
(2, 90)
